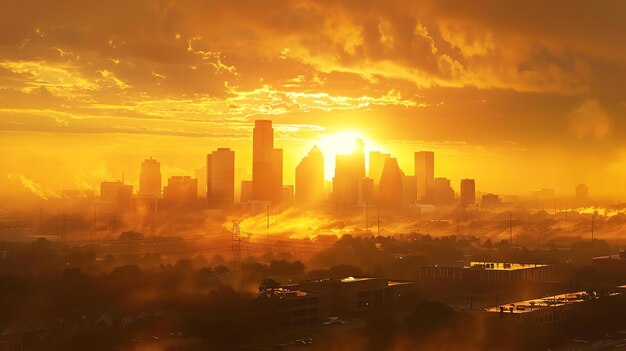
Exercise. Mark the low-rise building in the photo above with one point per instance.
(488, 272)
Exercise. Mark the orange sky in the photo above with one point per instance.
(519, 95)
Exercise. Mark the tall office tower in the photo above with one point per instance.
(220, 178)
(287, 196)
(349, 169)
(440, 192)
(246, 191)
(366, 191)
(390, 190)
(116, 194)
(409, 189)
(468, 192)
(377, 162)
(181, 192)
(267, 164)
(310, 178)
(424, 172)
(201, 174)
(491, 201)
(150, 179)
(582, 194)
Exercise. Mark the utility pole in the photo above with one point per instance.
(93, 230)
(510, 229)
(378, 220)
(592, 218)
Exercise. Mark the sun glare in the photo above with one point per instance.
(341, 143)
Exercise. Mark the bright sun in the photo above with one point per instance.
(340, 143)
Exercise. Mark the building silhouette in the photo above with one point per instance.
(440, 192)
(267, 164)
(349, 169)
(116, 194)
(150, 179)
(310, 178)
(366, 191)
(390, 189)
(377, 162)
(409, 189)
(424, 172)
(468, 192)
(246, 191)
(181, 192)
(582, 194)
(220, 178)
(491, 201)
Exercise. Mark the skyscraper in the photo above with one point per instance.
(390, 190)
(468, 192)
(424, 172)
(181, 192)
(440, 192)
(349, 169)
(116, 194)
(267, 164)
(220, 178)
(366, 191)
(582, 194)
(150, 179)
(310, 178)
(377, 162)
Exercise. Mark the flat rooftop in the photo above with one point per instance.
(490, 266)
(542, 303)
(503, 266)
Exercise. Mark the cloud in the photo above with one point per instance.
(589, 120)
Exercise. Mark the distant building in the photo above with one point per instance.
(116, 194)
(440, 192)
(582, 195)
(424, 172)
(488, 272)
(201, 174)
(220, 178)
(355, 296)
(366, 191)
(150, 179)
(287, 196)
(409, 189)
(376, 165)
(246, 191)
(547, 310)
(310, 179)
(468, 192)
(614, 265)
(349, 169)
(491, 201)
(267, 164)
(181, 192)
(390, 190)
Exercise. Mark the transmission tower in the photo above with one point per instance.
(236, 244)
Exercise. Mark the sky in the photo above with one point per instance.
(518, 95)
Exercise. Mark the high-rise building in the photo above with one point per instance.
(287, 196)
(390, 190)
(246, 191)
(201, 174)
(220, 178)
(409, 189)
(181, 192)
(267, 164)
(440, 192)
(424, 172)
(349, 169)
(150, 179)
(582, 194)
(366, 191)
(468, 192)
(491, 201)
(310, 178)
(116, 194)
(377, 162)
